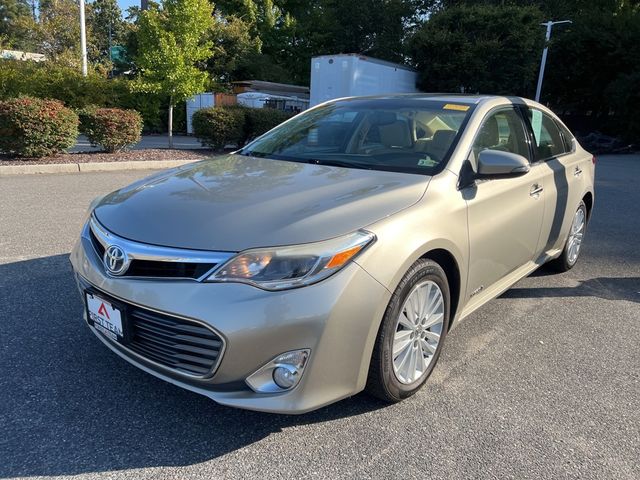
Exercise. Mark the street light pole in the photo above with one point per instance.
(543, 62)
(83, 39)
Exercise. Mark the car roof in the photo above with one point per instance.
(469, 99)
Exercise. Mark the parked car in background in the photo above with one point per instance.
(334, 253)
(598, 143)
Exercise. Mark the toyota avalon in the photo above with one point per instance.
(334, 253)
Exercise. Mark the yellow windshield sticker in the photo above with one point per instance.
(453, 106)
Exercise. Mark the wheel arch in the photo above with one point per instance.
(588, 201)
(448, 262)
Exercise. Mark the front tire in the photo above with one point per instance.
(411, 334)
(571, 250)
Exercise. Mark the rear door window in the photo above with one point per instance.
(549, 142)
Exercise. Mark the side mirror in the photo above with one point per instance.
(496, 164)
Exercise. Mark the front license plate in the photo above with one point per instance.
(105, 317)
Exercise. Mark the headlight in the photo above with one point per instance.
(280, 268)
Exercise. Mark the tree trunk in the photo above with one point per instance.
(171, 122)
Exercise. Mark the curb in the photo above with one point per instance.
(91, 167)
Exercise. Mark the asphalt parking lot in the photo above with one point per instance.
(543, 382)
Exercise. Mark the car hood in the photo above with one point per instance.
(236, 202)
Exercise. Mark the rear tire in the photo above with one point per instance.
(411, 334)
(572, 246)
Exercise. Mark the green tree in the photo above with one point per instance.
(58, 31)
(378, 28)
(552, 9)
(233, 45)
(265, 50)
(172, 43)
(486, 48)
(370, 27)
(594, 66)
(107, 26)
(16, 24)
(290, 32)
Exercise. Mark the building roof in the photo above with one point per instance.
(272, 87)
(20, 55)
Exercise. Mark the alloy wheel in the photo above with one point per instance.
(418, 331)
(575, 236)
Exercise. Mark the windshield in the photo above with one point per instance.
(404, 135)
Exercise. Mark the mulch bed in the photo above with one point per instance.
(131, 155)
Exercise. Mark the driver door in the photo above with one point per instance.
(504, 214)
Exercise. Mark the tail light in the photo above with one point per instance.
(593, 159)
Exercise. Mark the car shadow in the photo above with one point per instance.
(71, 406)
(606, 288)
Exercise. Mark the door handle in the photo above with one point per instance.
(536, 190)
(577, 172)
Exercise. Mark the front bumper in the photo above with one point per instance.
(337, 319)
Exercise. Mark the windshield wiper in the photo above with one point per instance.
(313, 161)
(339, 163)
(250, 153)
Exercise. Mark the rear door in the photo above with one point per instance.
(565, 176)
(504, 214)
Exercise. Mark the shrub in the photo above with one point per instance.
(261, 120)
(84, 115)
(219, 126)
(51, 80)
(32, 127)
(65, 83)
(112, 128)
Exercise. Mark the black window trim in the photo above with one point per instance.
(571, 140)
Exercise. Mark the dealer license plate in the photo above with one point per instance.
(105, 317)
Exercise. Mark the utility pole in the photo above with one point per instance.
(543, 62)
(83, 39)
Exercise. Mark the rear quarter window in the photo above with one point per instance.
(568, 138)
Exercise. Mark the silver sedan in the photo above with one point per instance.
(334, 253)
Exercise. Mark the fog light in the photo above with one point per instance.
(282, 373)
(284, 377)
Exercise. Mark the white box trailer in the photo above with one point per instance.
(206, 100)
(349, 75)
(195, 103)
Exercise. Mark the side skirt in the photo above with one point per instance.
(498, 288)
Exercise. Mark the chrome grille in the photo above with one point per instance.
(154, 261)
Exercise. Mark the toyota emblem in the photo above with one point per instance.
(115, 260)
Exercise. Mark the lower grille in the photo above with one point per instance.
(181, 345)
